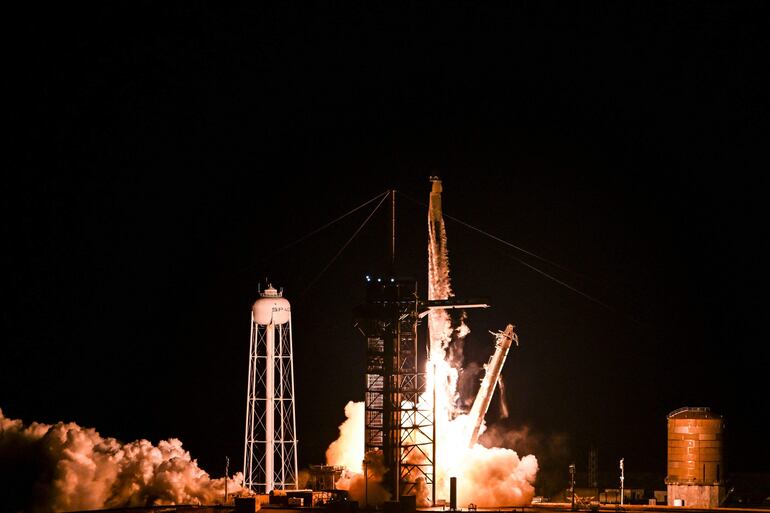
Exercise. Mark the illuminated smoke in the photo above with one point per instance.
(552, 449)
(439, 284)
(78, 469)
(348, 451)
(496, 477)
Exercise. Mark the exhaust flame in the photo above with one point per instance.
(78, 469)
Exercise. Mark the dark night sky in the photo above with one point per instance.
(166, 152)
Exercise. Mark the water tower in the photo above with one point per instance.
(270, 445)
(695, 466)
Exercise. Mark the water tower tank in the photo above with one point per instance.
(694, 446)
(271, 308)
(695, 466)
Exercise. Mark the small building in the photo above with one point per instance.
(325, 477)
(612, 495)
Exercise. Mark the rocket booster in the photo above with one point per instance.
(493, 368)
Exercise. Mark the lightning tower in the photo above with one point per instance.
(270, 444)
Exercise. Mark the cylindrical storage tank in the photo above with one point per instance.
(695, 447)
(271, 308)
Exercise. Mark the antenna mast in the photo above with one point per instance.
(393, 231)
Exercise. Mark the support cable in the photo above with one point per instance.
(522, 262)
(312, 282)
(573, 289)
(317, 230)
(493, 237)
(340, 218)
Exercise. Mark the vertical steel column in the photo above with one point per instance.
(293, 440)
(270, 409)
(393, 232)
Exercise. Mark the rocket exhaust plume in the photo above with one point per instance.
(486, 476)
(439, 285)
(443, 372)
(75, 468)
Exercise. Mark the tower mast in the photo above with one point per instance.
(393, 231)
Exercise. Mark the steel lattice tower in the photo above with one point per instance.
(398, 427)
(270, 445)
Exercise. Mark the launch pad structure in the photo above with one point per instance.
(399, 429)
(400, 421)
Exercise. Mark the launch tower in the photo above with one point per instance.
(398, 428)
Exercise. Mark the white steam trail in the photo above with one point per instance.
(439, 285)
(83, 470)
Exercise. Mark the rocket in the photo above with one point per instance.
(503, 342)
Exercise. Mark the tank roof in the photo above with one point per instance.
(270, 291)
(693, 412)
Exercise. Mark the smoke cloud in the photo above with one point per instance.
(552, 449)
(66, 467)
(496, 477)
(348, 451)
(487, 476)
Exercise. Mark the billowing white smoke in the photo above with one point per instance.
(496, 477)
(486, 476)
(348, 451)
(81, 470)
